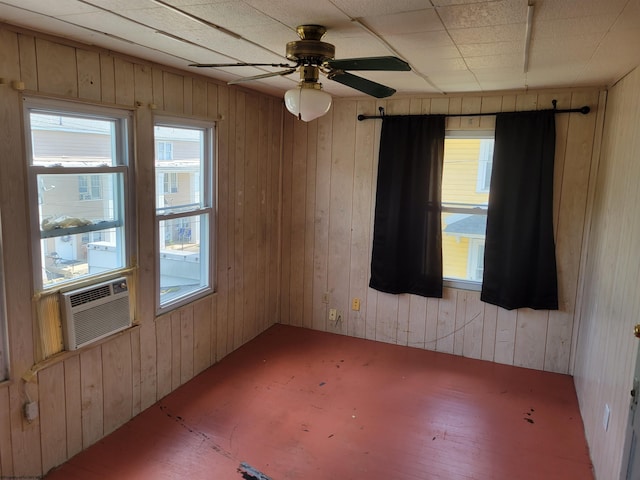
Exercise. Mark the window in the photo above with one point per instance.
(78, 175)
(184, 210)
(89, 187)
(170, 182)
(466, 178)
(164, 150)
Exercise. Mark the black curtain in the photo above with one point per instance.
(407, 240)
(519, 258)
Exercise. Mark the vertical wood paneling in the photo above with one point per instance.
(6, 457)
(173, 92)
(88, 75)
(298, 222)
(309, 226)
(94, 391)
(91, 392)
(186, 344)
(250, 225)
(73, 405)
(606, 352)
(360, 220)
(531, 334)
(124, 79)
(164, 355)
(340, 211)
(107, 79)
(117, 381)
(28, 62)
(57, 71)
(231, 208)
(222, 240)
(321, 220)
(238, 224)
(417, 321)
(52, 416)
(202, 339)
(176, 349)
(446, 324)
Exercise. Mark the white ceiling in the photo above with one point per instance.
(452, 45)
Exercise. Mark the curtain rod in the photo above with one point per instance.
(584, 110)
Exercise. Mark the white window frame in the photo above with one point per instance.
(485, 166)
(205, 209)
(122, 146)
(486, 148)
(4, 334)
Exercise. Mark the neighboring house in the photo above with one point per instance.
(465, 196)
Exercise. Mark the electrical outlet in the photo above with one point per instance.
(355, 304)
(333, 314)
(30, 411)
(605, 417)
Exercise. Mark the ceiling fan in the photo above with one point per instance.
(311, 56)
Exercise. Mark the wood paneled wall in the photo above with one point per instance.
(607, 349)
(84, 396)
(329, 178)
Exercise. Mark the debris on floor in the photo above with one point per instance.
(250, 473)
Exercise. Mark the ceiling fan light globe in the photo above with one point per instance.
(307, 103)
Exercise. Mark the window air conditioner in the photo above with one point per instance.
(92, 313)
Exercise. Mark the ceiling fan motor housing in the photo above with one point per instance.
(310, 50)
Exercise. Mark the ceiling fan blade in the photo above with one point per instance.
(366, 86)
(264, 75)
(240, 64)
(370, 63)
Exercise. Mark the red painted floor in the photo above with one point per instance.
(301, 404)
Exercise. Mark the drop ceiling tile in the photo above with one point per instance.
(502, 12)
(564, 9)
(103, 21)
(504, 33)
(616, 56)
(404, 23)
(570, 27)
(320, 12)
(363, 8)
(495, 48)
(514, 61)
(422, 41)
(630, 17)
(452, 82)
(59, 7)
(230, 14)
(428, 66)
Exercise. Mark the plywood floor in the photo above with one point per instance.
(301, 404)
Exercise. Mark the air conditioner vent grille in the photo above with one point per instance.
(90, 295)
(95, 312)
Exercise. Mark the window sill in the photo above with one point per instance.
(463, 284)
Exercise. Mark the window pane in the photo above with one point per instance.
(72, 141)
(179, 163)
(73, 256)
(465, 196)
(68, 201)
(183, 270)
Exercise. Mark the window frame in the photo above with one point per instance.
(124, 199)
(467, 284)
(206, 208)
